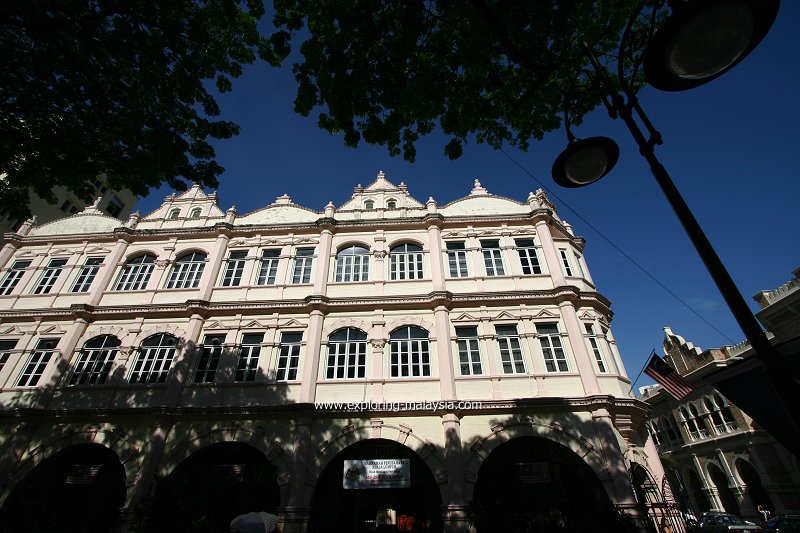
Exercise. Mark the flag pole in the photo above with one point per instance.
(633, 383)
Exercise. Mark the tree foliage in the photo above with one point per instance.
(387, 72)
(116, 87)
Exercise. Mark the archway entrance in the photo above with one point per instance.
(79, 489)
(695, 489)
(726, 496)
(534, 484)
(758, 494)
(212, 486)
(385, 486)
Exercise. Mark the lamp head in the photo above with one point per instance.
(585, 161)
(703, 39)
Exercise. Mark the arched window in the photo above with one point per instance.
(715, 416)
(175, 213)
(95, 360)
(136, 273)
(187, 271)
(691, 425)
(352, 264)
(391, 204)
(651, 427)
(154, 359)
(369, 205)
(727, 414)
(347, 354)
(700, 421)
(673, 424)
(405, 262)
(410, 354)
(195, 213)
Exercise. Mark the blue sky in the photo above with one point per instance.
(730, 146)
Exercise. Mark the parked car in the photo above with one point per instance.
(789, 523)
(716, 522)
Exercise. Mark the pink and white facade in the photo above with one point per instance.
(450, 331)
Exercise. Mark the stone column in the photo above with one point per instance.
(454, 508)
(615, 462)
(579, 350)
(104, 277)
(323, 258)
(297, 510)
(434, 222)
(444, 352)
(551, 258)
(308, 384)
(7, 253)
(213, 267)
(182, 366)
(143, 484)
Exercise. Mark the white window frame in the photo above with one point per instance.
(85, 278)
(154, 359)
(6, 349)
(268, 266)
(409, 353)
(469, 352)
(50, 276)
(234, 268)
(492, 257)
(565, 262)
(289, 356)
(406, 262)
(352, 264)
(210, 355)
(136, 273)
(187, 271)
(37, 362)
(347, 354)
(95, 361)
(249, 355)
(13, 276)
(303, 264)
(528, 258)
(457, 259)
(599, 357)
(510, 347)
(553, 350)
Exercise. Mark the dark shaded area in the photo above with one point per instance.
(211, 487)
(80, 489)
(534, 484)
(335, 508)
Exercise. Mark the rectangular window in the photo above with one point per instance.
(555, 360)
(526, 249)
(249, 353)
(5, 351)
(210, 353)
(115, 207)
(234, 268)
(457, 259)
(288, 356)
(469, 354)
(269, 267)
(565, 261)
(492, 259)
(87, 274)
(598, 355)
(50, 276)
(302, 265)
(37, 362)
(510, 350)
(12, 278)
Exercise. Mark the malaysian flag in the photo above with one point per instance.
(667, 377)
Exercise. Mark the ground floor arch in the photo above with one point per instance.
(726, 496)
(753, 486)
(534, 483)
(339, 505)
(210, 487)
(78, 489)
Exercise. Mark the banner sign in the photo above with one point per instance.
(377, 473)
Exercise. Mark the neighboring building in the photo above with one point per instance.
(716, 456)
(118, 204)
(455, 362)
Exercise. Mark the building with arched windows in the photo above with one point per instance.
(385, 364)
(716, 456)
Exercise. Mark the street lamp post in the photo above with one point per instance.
(674, 65)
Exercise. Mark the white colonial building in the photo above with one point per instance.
(453, 361)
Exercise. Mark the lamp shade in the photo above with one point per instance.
(703, 39)
(585, 161)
